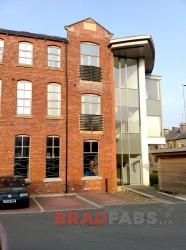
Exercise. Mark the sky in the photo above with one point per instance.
(165, 20)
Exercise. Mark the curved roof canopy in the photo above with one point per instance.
(135, 47)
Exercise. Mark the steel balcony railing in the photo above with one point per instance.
(88, 122)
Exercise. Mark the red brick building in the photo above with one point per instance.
(57, 109)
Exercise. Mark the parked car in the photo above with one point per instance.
(13, 190)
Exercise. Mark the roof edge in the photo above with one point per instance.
(88, 18)
(33, 35)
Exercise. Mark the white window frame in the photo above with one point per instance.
(88, 55)
(90, 103)
(27, 59)
(57, 55)
(1, 50)
(52, 101)
(24, 95)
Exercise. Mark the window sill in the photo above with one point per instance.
(24, 65)
(91, 132)
(52, 179)
(90, 178)
(24, 116)
(54, 118)
(55, 69)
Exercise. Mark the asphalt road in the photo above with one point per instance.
(144, 226)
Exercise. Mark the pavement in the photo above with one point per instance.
(152, 193)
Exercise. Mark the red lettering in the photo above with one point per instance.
(100, 218)
(73, 218)
(60, 218)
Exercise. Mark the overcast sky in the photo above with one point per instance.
(165, 20)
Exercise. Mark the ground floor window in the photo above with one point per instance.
(52, 156)
(91, 156)
(21, 160)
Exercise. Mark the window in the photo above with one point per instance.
(25, 53)
(90, 156)
(152, 89)
(24, 97)
(54, 57)
(21, 159)
(89, 54)
(1, 50)
(90, 104)
(52, 156)
(153, 126)
(54, 99)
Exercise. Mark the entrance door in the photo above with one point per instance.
(135, 172)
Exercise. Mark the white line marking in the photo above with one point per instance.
(88, 201)
(51, 195)
(40, 207)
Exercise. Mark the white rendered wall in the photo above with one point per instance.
(144, 139)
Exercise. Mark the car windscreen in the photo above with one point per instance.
(12, 182)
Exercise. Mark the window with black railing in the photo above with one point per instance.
(21, 159)
(89, 68)
(90, 118)
(52, 156)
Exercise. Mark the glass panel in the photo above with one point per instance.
(153, 126)
(94, 61)
(52, 168)
(18, 141)
(49, 152)
(94, 50)
(86, 146)
(21, 167)
(84, 48)
(84, 60)
(27, 111)
(56, 141)
(134, 142)
(132, 74)
(117, 97)
(90, 164)
(116, 71)
(94, 146)
(18, 152)
(96, 109)
(49, 141)
(26, 140)
(132, 98)
(124, 119)
(26, 152)
(123, 73)
(152, 89)
(133, 120)
(56, 152)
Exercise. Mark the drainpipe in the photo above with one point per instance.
(66, 76)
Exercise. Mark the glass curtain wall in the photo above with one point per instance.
(127, 120)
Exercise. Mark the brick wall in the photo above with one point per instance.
(39, 126)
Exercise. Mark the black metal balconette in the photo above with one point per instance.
(88, 122)
(90, 73)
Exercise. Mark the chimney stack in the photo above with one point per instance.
(183, 127)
